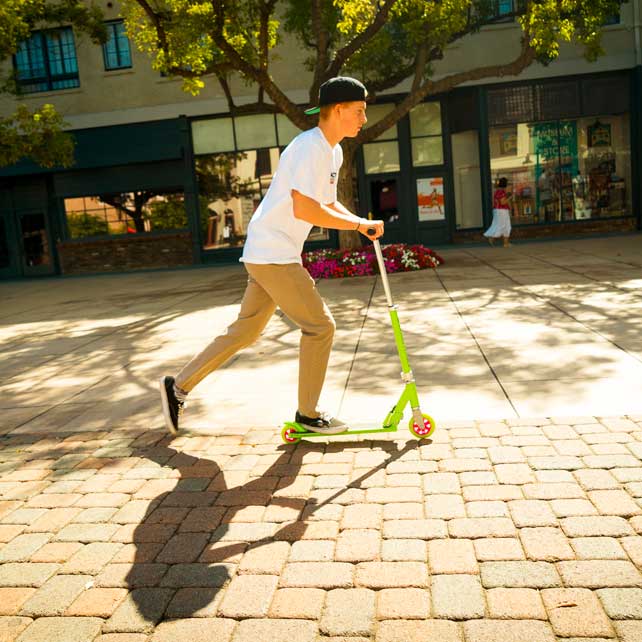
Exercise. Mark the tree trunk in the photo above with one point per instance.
(346, 194)
(138, 216)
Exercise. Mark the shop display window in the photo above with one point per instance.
(125, 213)
(425, 131)
(235, 161)
(564, 170)
(231, 186)
(381, 155)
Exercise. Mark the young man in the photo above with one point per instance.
(303, 193)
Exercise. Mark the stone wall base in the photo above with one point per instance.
(126, 253)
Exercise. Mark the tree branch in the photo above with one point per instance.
(375, 86)
(434, 54)
(321, 43)
(158, 24)
(420, 66)
(255, 108)
(236, 60)
(367, 34)
(474, 25)
(260, 76)
(266, 11)
(526, 57)
(226, 90)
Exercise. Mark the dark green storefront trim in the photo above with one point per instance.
(148, 155)
(636, 141)
(484, 159)
(160, 154)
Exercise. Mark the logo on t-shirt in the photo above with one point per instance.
(333, 177)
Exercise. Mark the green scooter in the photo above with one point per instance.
(420, 425)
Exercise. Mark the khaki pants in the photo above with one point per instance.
(292, 289)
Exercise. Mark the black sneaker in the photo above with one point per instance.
(323, 424)
(172, 407)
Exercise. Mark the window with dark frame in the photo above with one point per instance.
(551, 100)
(500, 11)
(47, 61)
(503, 10)
(116, 51)
(504, 7)
(136, 212)
(426, 138)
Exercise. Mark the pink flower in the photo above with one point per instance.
(398, 257)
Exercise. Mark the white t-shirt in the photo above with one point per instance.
(310, 166)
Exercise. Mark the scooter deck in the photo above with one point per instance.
(292, 431)
(298, 431)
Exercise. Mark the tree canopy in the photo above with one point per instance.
(382, 42)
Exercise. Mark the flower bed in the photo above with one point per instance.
(336, 264)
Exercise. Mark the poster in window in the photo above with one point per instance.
(599, 134)
(508, 143)
(430, 199)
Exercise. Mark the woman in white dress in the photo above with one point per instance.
(500, 227)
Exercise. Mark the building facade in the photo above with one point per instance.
(164, 179)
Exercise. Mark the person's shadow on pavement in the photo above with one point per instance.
(188, 542)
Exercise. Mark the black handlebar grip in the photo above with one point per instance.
(370, 231)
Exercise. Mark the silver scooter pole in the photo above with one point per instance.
(382, 269)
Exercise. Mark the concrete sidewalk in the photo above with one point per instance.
(519, 520)
(545, 329)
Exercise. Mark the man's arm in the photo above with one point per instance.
(341, 208)
(334, 216)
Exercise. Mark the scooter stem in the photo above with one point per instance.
(392, 309)
(384, 274)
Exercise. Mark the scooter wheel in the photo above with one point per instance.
(288, 434)
(424, 431)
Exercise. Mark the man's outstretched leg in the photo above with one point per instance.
(256, 309)
(292, 288)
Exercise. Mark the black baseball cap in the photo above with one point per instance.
(341, 89)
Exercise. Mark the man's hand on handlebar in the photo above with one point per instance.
(372, 229)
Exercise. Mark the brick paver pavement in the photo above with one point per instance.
(527, 528)
(339, 566)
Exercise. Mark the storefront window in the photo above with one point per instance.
(231, 186)
(604, 167)
(235, 161)
(286, 130)
(216, 135)
(125, 213)
(467, 179)
(382, 155)
(255, 131)
(425, 132)
(564, 170)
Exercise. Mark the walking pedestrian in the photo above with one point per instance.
(500, 227)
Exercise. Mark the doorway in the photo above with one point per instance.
(386, 202)
(25, 244)
(7, 267)
(34, 243)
